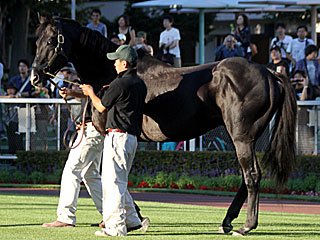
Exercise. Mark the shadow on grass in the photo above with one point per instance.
(184, 224)
(20, 225)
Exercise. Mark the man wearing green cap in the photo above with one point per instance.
(124, 100)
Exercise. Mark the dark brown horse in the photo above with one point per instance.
(183, 103)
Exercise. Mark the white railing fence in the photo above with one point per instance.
(34, 130)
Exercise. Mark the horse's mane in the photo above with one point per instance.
(90, 39)
(50, 21)
(97, 43)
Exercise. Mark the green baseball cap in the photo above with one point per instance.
(124, 52)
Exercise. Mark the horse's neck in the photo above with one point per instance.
(89, 57)
(94, 43)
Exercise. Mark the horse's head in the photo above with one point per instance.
(51, 54)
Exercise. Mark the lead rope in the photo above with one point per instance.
(72, 116)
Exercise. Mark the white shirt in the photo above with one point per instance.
(169, 36)
(297, 46)
(283, 44)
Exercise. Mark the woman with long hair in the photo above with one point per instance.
(242, 34)
(125, 28)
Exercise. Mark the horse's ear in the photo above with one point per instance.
(44, 17)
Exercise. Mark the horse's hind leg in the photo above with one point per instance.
(252, 176)
(234, 209)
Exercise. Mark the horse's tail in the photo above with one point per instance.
(280, 154)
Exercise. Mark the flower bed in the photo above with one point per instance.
(229, 183)
(216, 171)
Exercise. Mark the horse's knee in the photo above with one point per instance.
(252, 179)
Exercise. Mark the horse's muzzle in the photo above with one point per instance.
(35, 79)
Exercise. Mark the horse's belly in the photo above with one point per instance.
(177, 125)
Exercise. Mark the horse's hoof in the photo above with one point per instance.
(241, 232)
(225, 229)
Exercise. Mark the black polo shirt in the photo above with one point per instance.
(125, 100)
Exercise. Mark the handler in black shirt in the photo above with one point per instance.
(124, 100)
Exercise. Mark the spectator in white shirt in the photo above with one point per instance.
(169, 40)
(297, 46)
(282, 40)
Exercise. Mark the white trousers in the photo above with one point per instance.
(83, 164)
(118, 207)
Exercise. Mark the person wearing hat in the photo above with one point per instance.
(277, 64)
(124, 100)
(82, 165)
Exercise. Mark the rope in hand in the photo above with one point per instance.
(69, 109)
(65, 80)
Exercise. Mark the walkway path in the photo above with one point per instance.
(273, 205)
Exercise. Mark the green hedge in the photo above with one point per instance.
(151, 162)
(41, 161)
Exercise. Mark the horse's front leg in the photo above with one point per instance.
(252, 176)
(234, 209)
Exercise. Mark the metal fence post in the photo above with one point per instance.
(297, 132)
(316, 130)
(28, 126)
(58, 127)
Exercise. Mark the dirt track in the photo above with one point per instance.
(273, 205)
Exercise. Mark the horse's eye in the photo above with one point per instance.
(49, 42)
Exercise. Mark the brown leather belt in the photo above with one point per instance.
(115, 130)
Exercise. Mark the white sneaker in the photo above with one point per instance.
(101, 233)
(145, 224)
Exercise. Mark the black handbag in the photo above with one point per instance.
(167, 57)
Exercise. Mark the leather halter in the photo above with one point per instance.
(58, 51)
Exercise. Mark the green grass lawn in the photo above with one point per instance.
(21, 217)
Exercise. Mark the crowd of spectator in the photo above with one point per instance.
(297, 58)
(19, 86)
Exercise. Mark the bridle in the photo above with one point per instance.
(59, 53)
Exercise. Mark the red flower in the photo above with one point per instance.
(204, 188)
(130, 184)
(174, 186)
(164, 185)
(285, 191)
(218, 189)
(189, 186)
(233, 189)
(157, 185)
(143, 184)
